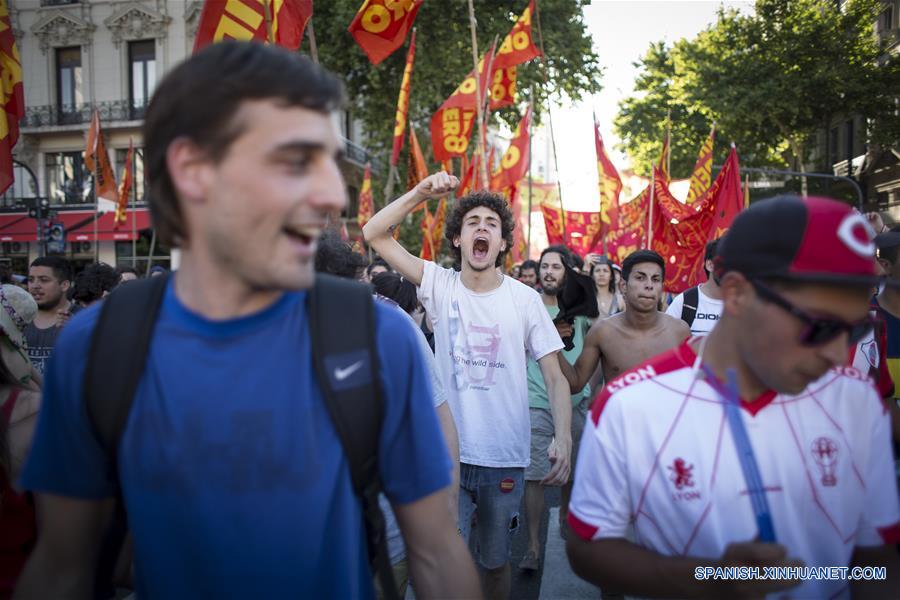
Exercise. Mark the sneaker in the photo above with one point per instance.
(530, 562)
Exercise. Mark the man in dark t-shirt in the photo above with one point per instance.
(49, 278)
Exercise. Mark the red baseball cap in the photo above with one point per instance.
(801, 239)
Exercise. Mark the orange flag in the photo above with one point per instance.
(380, 26)
(13, 97)
(426, 252)
(663, 165)
(366, 202)
(517, 47)
(97, 161)
(403, 101)
(515, 161)
(418, 169)
(610, 185)
(246, 20)
(452, 123)
(125, 186)
(701, 176)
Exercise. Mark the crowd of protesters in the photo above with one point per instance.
(746, 422)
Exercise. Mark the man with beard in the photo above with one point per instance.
(484, 325)
(552, 270)
(633, 336)
(49, 279)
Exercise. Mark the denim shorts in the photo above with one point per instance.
(496, 494)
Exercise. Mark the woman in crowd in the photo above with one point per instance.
(609, 301)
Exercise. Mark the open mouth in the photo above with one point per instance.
(303, 234)
(480, 248)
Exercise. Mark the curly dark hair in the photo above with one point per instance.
(93, 282)
(336, 257)
(491, 201)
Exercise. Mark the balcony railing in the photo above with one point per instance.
(79, 114)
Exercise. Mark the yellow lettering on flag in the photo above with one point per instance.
(701, 176)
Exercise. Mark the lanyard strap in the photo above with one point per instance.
(749, 466)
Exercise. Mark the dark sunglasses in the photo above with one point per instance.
(818, 330)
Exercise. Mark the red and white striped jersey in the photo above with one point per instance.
(657, 452)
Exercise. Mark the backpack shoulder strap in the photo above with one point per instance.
(117, 356)
(689, 307)
(342, 326)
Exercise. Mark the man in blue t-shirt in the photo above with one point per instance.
(232, 474)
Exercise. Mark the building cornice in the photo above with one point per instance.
(136, 22)
(58, 28)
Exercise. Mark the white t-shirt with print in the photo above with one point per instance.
(482, 343)
(708, 312)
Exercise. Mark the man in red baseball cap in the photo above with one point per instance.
(747, 457)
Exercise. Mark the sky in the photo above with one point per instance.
(622, 30)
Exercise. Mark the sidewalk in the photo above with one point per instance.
(558, 581)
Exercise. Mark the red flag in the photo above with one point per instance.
(518, 46)
(380, 26)
(366, 206)
(610, 185)
(517, 252)
(403, 101)
(13, 97)
(503, 88)
(452, 123)
(125, 187)
(246, 20)
(437, 225)
(582, 229)
(515, 161)
(97, 161)
(680, 232)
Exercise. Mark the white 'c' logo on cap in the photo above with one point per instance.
(852, 228)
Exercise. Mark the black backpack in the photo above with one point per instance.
(342, 321)
(689, 307)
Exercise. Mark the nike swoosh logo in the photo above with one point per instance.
(342, 374)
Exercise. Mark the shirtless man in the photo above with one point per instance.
(631, 337)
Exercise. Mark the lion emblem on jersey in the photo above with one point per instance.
(681, 474)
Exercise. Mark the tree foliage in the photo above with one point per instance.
(443, 59)
(772, 80)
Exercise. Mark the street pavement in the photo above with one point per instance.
(554, 580)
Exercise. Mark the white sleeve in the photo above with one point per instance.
(880, 522)
(601, 504)
(674, 309)
(435, 280)
(542, 338)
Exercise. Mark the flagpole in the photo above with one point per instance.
(478, 97)
(313, 48)
(650, 212)
(267, 9)
(603, 228)
(562, 207)
(96, 219)
(150, 253)
(134, 223)
(669, 139)
(530, 163)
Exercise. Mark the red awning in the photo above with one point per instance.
(19, 227)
